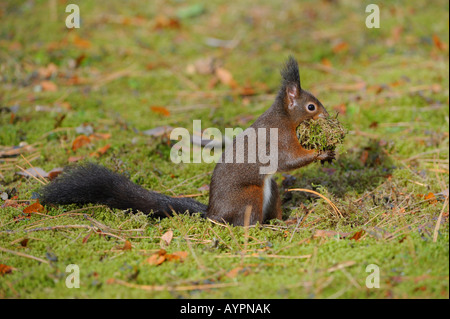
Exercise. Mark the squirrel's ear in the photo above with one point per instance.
(292, 95)
(290, 82)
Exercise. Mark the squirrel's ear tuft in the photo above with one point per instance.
(290, 74)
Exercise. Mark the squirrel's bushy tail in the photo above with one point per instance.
(91, 183)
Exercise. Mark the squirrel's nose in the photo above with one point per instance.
(322, 115)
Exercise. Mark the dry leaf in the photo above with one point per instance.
(126, 246)
(160, 110)
(233, 272)
(226, 77)
(4, 269)
(203, 66)
(101, 151)
(73, 159)
(340, 108)
(326, 62)
(163, 22)
(81, 43)
(16, 150)
(54, 173)
(340, 47)
(364, 157)
(85, 238)
(49, 86)
(48, 71)
(161, 256)
(172, 257)
(431, 197)
(247, 91)
(438, 43)
(356, 236)
(80, 141)
(166, 239)
(24, 242)
(177, 256)
(33, 208)
(181, 254)
(157, 259)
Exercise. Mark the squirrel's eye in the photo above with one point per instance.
(311, 107)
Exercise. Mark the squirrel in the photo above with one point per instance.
(235, 186)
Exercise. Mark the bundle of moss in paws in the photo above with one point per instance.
(322, 134)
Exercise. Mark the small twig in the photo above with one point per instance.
(318, 194)
(24, 170)
(438, 223)
(96, 229)
(300, 222)
(34, 169)
(174, 288)
(264, 256)
(23, 255)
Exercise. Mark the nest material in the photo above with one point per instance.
(322, 134)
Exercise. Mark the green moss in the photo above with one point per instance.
(321, 134)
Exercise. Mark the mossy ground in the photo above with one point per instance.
(390, 86)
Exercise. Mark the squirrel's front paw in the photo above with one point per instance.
(327, 156)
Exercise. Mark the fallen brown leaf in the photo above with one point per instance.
(160, 110)
(81, 43)
(357, 236)
(54, 173)
(49, 86)
(24, 242)
(364, 157)
(126, 246)
(438, 43)
(33, 208)
(100, 151)
(163, 22)
(4, 269)
(80, 141)
(157, 259)
(226, 77)
(431, 197)
(340, 47)
(161, 256)
(182, 255)
(73, 159)
(48, 71)
(340, 108)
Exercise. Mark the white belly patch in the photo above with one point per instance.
(267, 194)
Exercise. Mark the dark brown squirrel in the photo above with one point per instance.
(236, 187)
